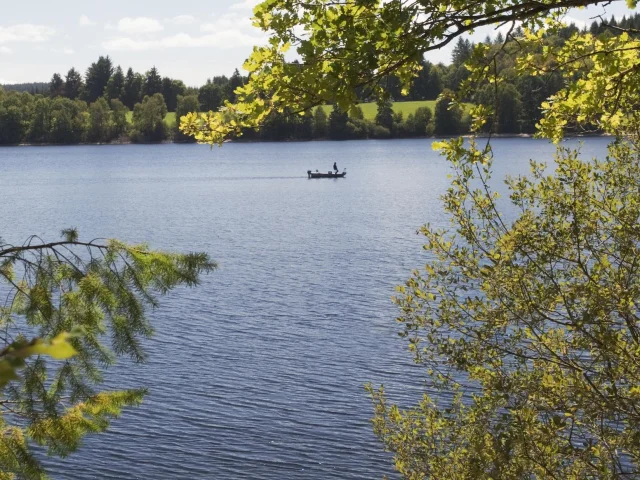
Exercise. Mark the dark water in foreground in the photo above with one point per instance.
(259, 372)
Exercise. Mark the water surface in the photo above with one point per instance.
(259, 372)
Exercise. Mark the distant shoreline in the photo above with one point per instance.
(169, 142)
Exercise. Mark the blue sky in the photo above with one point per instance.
(186, 39)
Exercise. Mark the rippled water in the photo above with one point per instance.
(259, 372)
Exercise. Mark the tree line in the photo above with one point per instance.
(516, 101)
(38, 119)
(103, 79)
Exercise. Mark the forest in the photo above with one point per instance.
(108, 105)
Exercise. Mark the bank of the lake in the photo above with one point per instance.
(244, 141)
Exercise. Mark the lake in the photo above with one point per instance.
(259, 372)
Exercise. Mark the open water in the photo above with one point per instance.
(259, 372)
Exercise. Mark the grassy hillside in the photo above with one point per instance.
(369, 110)
(170, 119)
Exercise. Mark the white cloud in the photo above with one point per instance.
(229, 21)
(245, 5)
(4, 81)
(576, 21)
(65, 50)
(182, 20)
(6, 50)
(85, 21)
(137, 25)
(223, 39)
(26, 33)
(504, 29)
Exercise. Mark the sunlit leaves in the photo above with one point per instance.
(534, 318)
(527, 325)
(343, 46)
(13, 357)
(602, 74)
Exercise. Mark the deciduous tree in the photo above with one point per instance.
(100, 122)
(210, 96)
(384, 115)
(186, 104)
(148, 120)
(119, 121)
(526, 321)
(69, 121)
(447, 116)
(14, 119)
(171, 89)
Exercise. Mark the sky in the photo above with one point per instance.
(191, 40)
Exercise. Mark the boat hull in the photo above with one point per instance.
(326, 175)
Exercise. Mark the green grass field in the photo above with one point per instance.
(369, 110)
(170, 119)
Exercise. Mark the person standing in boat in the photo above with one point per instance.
(335, 166)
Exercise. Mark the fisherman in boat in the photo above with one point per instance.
(335, 167)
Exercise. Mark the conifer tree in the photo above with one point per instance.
(152, 83)
(447, 115)
(96, 78)
(56, 85)
(384, 115)
(320, 123)
(235, 82)
(73, 84)
(132, 89)
(337, 127)
(115, 86)
(73, 308)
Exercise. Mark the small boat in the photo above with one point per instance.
(318, 174)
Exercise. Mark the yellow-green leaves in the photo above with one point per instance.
(534, 316)
(341, 47)
(13, 357)
(58, 348)
(527, 321)
(601, 75)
